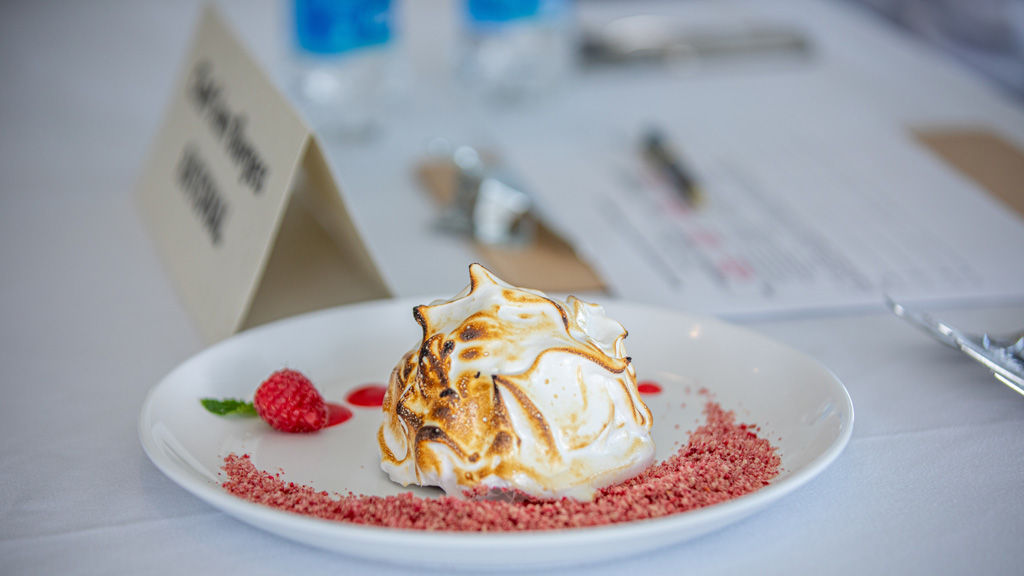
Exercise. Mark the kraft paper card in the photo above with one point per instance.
(241, 202)
(991, 161)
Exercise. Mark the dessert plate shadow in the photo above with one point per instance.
(799, 405)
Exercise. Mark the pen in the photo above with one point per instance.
(671, 167)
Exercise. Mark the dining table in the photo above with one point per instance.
(926, 478)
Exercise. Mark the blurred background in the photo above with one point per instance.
(825, 138)
(984, 35)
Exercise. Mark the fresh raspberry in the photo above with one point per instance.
(288, 402)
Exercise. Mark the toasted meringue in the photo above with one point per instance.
(510, 389)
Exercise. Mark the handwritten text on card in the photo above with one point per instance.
(209, 97)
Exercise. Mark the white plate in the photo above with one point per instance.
(799, 405)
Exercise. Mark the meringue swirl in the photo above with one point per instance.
(511, 389)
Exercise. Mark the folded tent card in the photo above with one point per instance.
(247, 215)
(241, 201)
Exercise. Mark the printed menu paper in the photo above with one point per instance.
(800, 217)
(241, 201)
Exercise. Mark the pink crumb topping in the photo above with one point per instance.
(721, 461)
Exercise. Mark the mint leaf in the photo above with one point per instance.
(228, 407)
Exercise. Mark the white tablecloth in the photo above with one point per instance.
(930, 482)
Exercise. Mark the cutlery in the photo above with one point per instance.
(1003, 355)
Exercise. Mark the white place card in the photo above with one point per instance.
(241, 201)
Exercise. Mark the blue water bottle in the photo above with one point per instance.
(344, 62)
(516, 49)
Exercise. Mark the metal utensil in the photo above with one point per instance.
(651, 38)
(489, 205)
(1003, 355)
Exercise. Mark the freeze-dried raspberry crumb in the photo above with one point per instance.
(721, 461)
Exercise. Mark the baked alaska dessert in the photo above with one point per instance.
(512, 390)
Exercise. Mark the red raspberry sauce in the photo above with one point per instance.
(648, 387)
(336, 414)
(369, 396)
